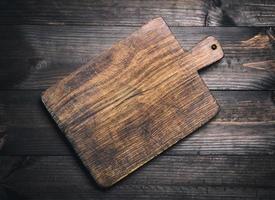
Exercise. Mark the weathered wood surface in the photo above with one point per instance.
(166, 177)
(267, 65)
(134, 101)
(244, 126)
(137, 12)
(37, 50)
(42, 55)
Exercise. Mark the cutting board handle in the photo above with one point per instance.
(205, 53)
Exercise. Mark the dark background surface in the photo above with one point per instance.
(232, 157)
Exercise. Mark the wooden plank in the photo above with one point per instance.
(25, 109)
(135, 13)
(35, 57)
(166, 177)
(245, 123)
(212, 139)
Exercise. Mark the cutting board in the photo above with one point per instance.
(134, 100)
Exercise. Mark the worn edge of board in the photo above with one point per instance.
(194, 70)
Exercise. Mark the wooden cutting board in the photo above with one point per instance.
(134, 101)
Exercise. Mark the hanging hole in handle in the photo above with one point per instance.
(214, 47)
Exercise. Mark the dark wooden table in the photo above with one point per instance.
(232, 157)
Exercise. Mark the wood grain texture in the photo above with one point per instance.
(44, 41)
(136, 12)
(134, 101)
(245, 125)
(36, 57)
(267, 65)
(166, 177)
(212, 139)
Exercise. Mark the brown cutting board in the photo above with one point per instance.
(134, 101)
